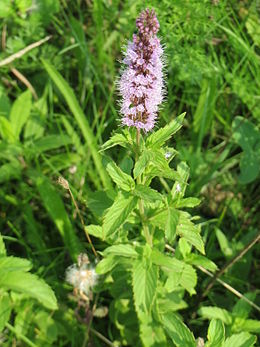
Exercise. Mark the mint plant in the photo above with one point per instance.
(152, 241)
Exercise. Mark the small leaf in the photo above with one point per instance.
(142, 163)
(20, 112)
(147, 193)
(179, 187)
(188, 202)
(158, 138)
(31, 285)
(94, 230)
(121, 179)
(171, 224)
(179, 333)
(123, 250)
(216, 333)
(117, 214)
(190, 233)
(145, 276)
(224, 243)
(199, 260)
(116, 139)
(106, 265)
(240, 340)
(211, 312)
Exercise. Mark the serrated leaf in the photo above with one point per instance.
(147, 193)
(106, 265)
(20, 112)
(144, 275)
(171, 224)
(31, 285)
(158, 138)
(142, 163)
(216, 333)
(152, 333)
(200, 260)
(179, 187)
(116, 139)
(211, 312)
(178, 272)
(11, 264)
(190, 233)
(117, 214)
(187, 202)
(123, 250)
(5, 309)
(240, 340)
(179, 333)
(123, 180)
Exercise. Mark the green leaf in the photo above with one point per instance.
(250, 325)
(106, 265)
(55, 207)
(94, 230)
(199, 260)
(211, 312)
(2, 246)
(179, 333)
(158, 138)
(216, 333)
(31, 285)
(116, 139)
(240, 340)
(5, 309)
(81, 119)
(117, 214)
(12, 264)
(190, 233)
(179, 187)
(145, 276)
(121, 179)
(98, 202)
(10, 171)
(151, 332)
(20, 112)
(178, 272)
(146, 193)
(224, 243)
(242, 309)
(49, 142)
(123, 250)
(171, 224)
(6, 130)
(142, 163)
(188, 202)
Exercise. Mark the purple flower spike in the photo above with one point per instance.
(141, 83)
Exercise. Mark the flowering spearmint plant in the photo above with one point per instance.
(152, 243)
(141, 83)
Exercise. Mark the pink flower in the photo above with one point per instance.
(141, 83)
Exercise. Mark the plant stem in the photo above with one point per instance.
(141, 203)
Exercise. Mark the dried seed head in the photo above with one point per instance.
(64, 183)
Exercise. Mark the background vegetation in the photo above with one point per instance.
(48, 129)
